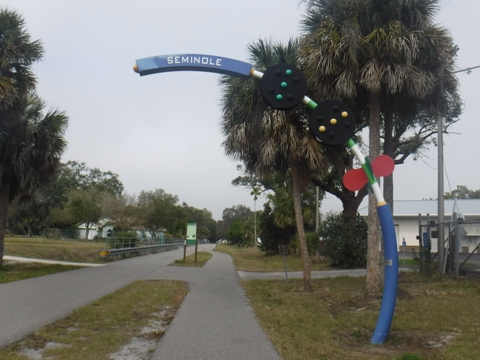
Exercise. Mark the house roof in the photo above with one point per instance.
(467, 207)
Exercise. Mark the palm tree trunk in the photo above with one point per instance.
(373, 254)
(297, 204)
(388, 150)
(4, 197)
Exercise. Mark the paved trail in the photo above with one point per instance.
(215, 320)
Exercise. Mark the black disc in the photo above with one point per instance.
(283, 86)
(332, 122)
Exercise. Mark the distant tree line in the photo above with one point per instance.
(80, 194)
(462, 192)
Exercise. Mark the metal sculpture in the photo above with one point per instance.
(331, 122)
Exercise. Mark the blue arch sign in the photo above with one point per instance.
(192, 62)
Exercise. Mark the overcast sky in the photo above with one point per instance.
(162, 130)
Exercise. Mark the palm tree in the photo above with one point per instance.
(30, 155)
(268, 140)
(377, 52)
(17, 54)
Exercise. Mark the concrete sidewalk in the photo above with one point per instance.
(246, 275)
(8, 258)
(215, 321)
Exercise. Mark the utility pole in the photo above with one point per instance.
(441, 205)
(255, 220)
(255, 192)
(317, 211)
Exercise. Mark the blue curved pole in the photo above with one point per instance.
(391, 253)
(390, 283)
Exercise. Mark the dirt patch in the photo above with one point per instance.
(140, 346)
(137, 349)
(36, 354)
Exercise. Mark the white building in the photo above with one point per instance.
(104, 228)
(406, 220)
(101, 229)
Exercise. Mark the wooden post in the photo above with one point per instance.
(196, 248)
(184, 250)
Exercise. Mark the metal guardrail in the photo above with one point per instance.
(140, 250)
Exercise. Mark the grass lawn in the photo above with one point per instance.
(134, 317)
(202, 258)
(20, 271)
(75, 251)
(252, 259)
(38, 248)
(436, 317)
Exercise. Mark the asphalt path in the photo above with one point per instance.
(214, 321)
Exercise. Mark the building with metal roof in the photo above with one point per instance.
(410, 218)
(467, 207)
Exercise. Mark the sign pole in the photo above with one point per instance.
(184, 250)
(284, 251)
(196, 249)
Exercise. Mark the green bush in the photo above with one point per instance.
(271, 235)
(53, 233)
(344, 240)
(410, 357)
(123, 239)
(236, 234)
(294, 246)
(312, 242)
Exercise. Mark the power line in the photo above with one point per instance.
(468, 70)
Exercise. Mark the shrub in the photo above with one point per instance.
(123, 240)
(236, 233)
(53, 233)
(344, 240)
(410, 357)
(312, 243)
(271, 235)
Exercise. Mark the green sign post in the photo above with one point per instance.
(191, 236)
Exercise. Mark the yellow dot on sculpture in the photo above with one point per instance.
(344, 114)
(322, 128)
(333, 121)
(135, 68)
